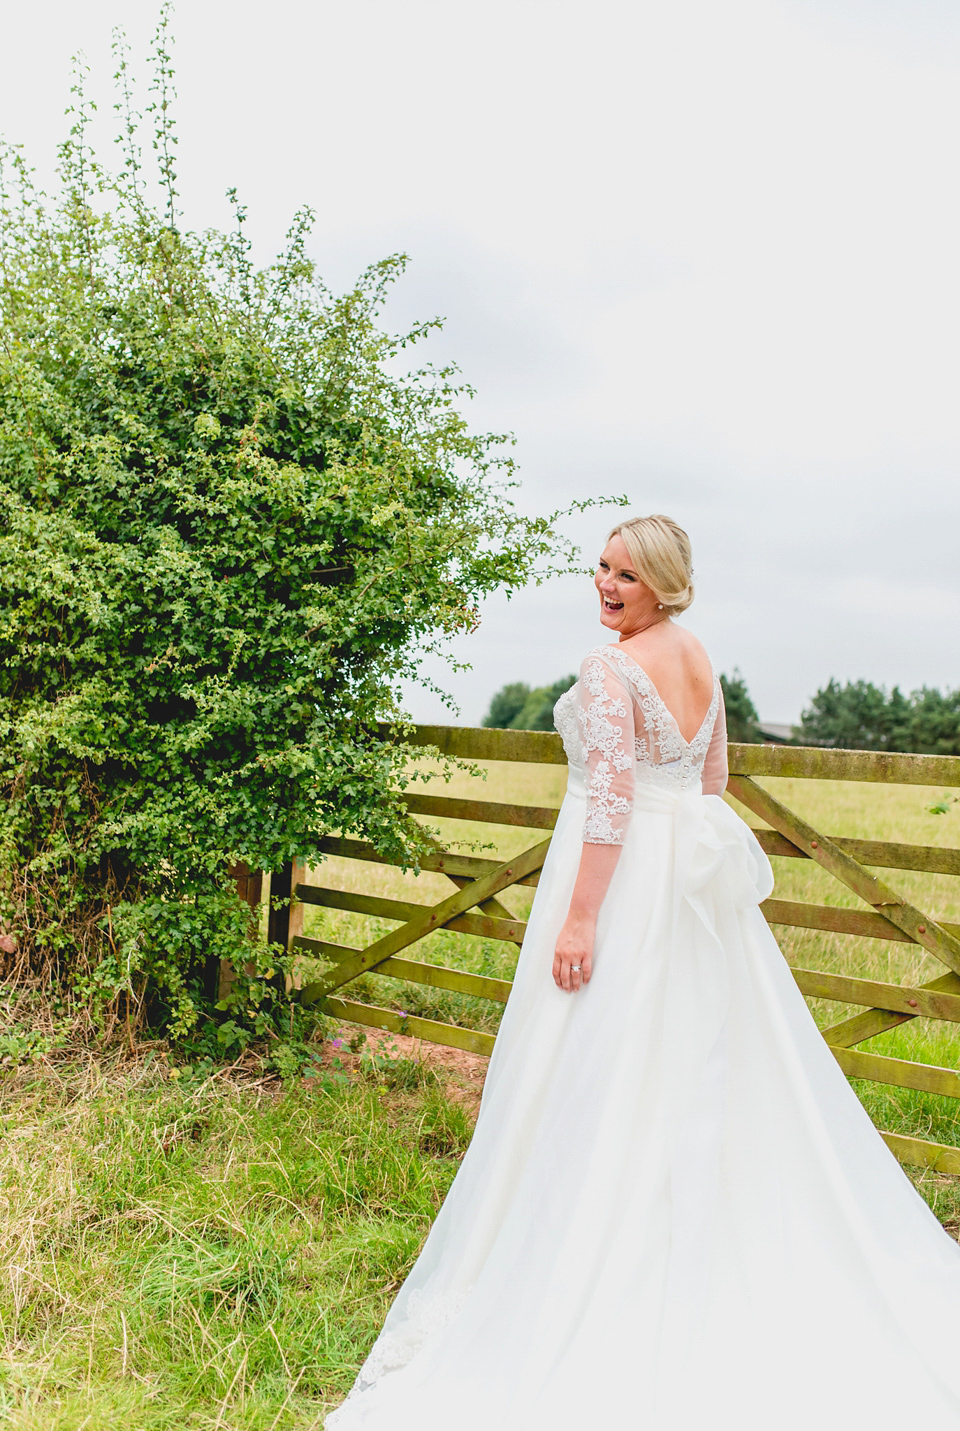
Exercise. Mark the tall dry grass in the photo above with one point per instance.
(205, 1257)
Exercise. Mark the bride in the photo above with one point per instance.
(674, 1213)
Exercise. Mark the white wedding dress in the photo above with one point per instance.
(674, 1212)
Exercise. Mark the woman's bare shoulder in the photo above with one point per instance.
(670, 646)
(693, 651)
(674, 660)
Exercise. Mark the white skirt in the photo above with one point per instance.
(674, 1212)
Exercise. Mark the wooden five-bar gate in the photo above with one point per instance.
(473, 906)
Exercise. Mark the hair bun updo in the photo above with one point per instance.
(660, 551)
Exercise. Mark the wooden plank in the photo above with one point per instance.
(487, 812)
(819, 763)
(797, 762)
(249, 883)
(885, 854)
(836, 920)
(860, 1027)
(898, 1072)
(429, 919)
(431, 1030)
(920, 1153)
(533, 747)
(412, 971)
(485, 926)
(919, 1002)
(803, 762)
(437, 976)
(921, 927)
(457, 868)
(876, 1021)
(322, 948)
(377, 906)
(437, 862)
(890, 854)
(490, 907)
(797, 914)
(298, 873)
(862, 922)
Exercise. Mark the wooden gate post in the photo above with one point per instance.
(286, 910)
(250, 889)
(278, 928)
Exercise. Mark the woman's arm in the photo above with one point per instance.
(715, 774)
(605, 715)
(575, 944)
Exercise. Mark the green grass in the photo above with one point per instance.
(206, 1256)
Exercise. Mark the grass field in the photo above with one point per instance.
(216, 1255)
(207, 1256)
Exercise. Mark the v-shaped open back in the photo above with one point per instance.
(646, 686)
(618, 731)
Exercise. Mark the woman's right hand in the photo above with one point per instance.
(573, 956)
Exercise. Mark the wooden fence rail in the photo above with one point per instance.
(473, 907)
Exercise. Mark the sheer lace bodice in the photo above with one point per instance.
(617, 730)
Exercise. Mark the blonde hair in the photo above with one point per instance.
(660, 553)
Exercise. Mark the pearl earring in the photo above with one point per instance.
(659, 605)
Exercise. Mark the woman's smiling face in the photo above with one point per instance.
(626, 603)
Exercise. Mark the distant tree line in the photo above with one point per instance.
(743, 723)
(854, 716)
(522, 707)
(862, 716)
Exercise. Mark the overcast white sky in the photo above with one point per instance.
(707, 254)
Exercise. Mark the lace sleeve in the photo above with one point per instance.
(606, 735)
(714, 778)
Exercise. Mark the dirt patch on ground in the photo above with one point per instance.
(461, 1073)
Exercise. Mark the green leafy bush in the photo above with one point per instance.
(231, 525)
